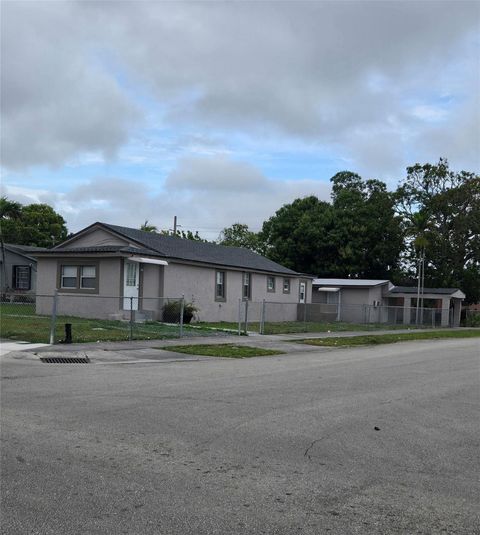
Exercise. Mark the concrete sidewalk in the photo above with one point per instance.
(138, 351)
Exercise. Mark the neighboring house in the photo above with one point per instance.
(446, 302)
(350, 296)
(104, 269)
(372, 301)
(18, 269)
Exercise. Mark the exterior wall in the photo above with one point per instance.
(97, 237)
(351, 304)
(87, 305)
(353, 301)
(14, 259)
(151, 291)
(198, 285)
(158, 283)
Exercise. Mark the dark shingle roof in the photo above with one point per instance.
(171, 247)
(101, 249)
(197, 251)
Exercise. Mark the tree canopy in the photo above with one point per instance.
(440, 211)
(357, 235)
(239, 235)
(33, 224)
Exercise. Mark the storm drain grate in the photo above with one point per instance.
(65, 360)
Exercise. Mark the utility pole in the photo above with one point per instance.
(174, 225)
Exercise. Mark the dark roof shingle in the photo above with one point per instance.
(171, 247)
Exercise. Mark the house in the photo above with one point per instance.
(18, 270)
(105, 270)
(379, 301)
(350, 297)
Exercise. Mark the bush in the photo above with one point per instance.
(472, 320)
(171, 312)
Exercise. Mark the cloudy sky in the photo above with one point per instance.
(220, 112)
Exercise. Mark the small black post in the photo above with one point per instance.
(68, 333)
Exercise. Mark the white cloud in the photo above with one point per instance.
(76, 73)
(251, 200)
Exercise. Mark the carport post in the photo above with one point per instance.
(54, 318)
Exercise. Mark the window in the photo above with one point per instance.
(78, 278)
(69, 277)
(286, 286)
(302, 292)
(220, 293)
(87, 277)
(247, 287)
(131, 279)
(21, 277)
(270, 284)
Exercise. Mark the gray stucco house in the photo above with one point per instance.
(380, 301)
(104, 269)
(349, 297)
(18, 270)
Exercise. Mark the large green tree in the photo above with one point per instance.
(366, 231)
(298, 236)
(33, 224)
(357, 235)
(440, 211)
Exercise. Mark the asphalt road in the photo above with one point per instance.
(372, 440)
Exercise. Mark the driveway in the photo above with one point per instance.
(369, 440)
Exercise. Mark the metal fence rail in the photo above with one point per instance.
(79, 317)
(65, 318)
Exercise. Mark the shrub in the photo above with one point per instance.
(171, 312)
(472, 320)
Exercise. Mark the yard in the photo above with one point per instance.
(18, 321)
(287, 327)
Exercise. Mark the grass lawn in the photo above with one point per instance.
(19, 322)
(222, 350)
(389, 338)
(286, 327)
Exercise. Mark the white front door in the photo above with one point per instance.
(130, 285)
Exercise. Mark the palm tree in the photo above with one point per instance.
(148, 228)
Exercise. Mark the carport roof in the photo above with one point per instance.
(354, 283)
(413, 290)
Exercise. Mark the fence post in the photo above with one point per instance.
(239, 317)
(130, 335)
(246, 316)
(53, 322)
(182, 308)
(262, 318)
(305, 316)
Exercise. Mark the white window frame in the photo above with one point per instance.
(220, 282)
(271, 278)
(246, 285)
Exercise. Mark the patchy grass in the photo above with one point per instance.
(288, 327)
(222, 350)
(19, 322)
(389, 338)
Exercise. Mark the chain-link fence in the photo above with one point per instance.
(470, 318)
(93, 318)
(90, 318)
(277, 318)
